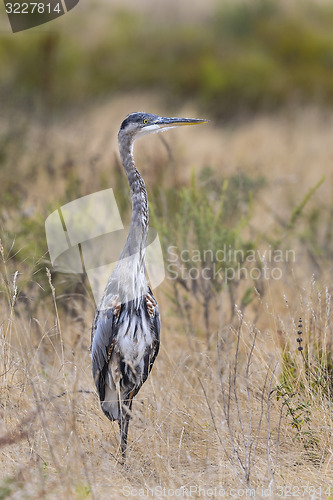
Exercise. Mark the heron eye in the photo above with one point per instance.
(145, 121)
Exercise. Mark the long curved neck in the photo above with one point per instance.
(137, 236)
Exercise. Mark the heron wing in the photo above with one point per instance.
(155, 328)
(108, 324)
(154, 322)
(103, 334)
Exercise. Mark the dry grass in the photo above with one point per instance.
(204, 418)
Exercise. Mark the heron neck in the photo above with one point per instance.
(137, 236)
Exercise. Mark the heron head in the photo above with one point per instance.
(138, 124)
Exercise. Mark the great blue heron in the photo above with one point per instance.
(126, 327)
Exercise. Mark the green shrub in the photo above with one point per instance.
(202, 228)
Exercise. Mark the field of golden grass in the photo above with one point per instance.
(205, 419)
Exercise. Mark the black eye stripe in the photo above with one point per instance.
(139, 118)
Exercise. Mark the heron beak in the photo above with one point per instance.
(176, 122)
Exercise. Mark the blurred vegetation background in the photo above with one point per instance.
(241, 57)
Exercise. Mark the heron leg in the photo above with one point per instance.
(123, 425)
(123, 439)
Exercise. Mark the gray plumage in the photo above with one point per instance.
(126, 327)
